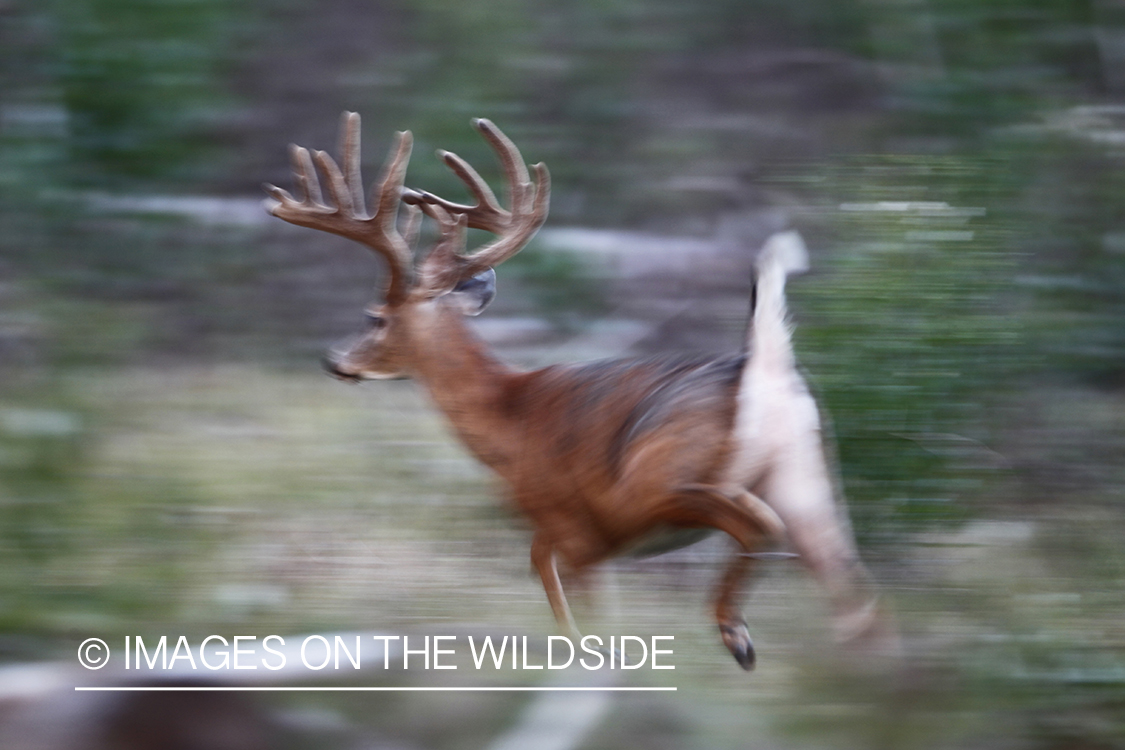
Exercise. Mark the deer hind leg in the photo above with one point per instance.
(800, 489)
(745, 518)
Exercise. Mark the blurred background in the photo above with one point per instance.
(172, 460)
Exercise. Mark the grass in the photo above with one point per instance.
(241, 499)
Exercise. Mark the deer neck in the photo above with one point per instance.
(465, 379)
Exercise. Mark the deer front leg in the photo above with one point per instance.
(543, 558)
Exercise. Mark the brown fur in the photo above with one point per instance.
(599, 457)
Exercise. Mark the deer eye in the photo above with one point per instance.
(376, 321)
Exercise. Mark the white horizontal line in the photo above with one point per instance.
(229, 689)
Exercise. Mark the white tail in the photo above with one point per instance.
(602, 456)
(782, 254)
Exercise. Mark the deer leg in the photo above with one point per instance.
(745, 518)
(543, 558)
(801, 490)
(732, 625)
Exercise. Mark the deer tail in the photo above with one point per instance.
(769, 344)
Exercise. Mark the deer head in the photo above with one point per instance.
(447, 281)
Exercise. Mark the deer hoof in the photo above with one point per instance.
(737, 640)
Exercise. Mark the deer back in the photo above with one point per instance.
(585, 429)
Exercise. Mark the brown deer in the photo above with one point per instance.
(605, 456)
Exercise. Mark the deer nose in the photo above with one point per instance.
(333, 368)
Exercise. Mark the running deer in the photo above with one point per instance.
(605, 456)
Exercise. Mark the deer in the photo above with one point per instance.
(599, 457)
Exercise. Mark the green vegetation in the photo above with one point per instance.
(171, 460)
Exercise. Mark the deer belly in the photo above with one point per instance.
(665, 538)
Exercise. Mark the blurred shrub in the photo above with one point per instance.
(957, 162)
(560, 285)
(908, 331)
(141, 81)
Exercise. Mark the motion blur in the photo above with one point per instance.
(174, 462)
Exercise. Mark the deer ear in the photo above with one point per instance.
(473, 294)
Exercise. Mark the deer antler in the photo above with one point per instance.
(346, 213)
(515, 227)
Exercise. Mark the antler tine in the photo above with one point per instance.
(305, 173)
(528, 201)
(412, 224)
(338, 187)
(386, 197)
(444, 266)
(347, 216)
(514, 168)
(526, 221)
(487, 214)
(350, 140)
